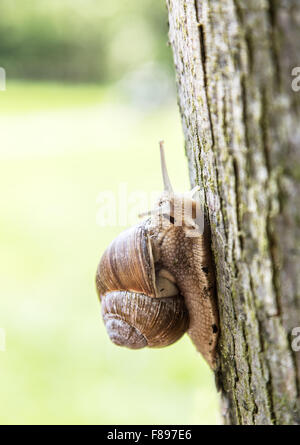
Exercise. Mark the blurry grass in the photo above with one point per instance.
(60, 146)
(29, 96)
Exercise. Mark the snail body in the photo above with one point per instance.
(156, 280)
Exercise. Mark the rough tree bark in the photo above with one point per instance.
(240, 116)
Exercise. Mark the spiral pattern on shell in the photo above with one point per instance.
(136, 320)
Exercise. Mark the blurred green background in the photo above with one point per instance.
(90, 92)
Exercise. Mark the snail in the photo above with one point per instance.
(156, 280)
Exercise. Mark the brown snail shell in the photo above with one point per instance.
(128, 264)
(136, 320)
(140, 305)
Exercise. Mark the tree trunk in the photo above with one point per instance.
(240, 116)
